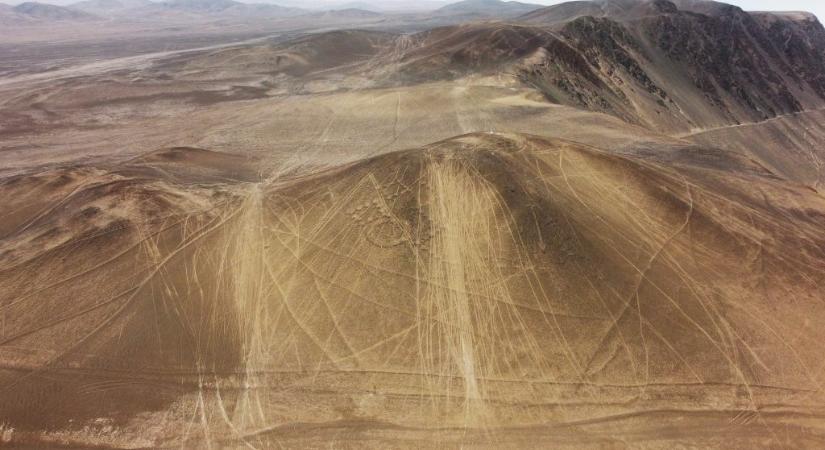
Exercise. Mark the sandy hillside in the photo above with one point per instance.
(525, 234)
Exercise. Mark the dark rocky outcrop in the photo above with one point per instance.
(743, 66)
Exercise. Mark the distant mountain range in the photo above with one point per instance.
(47, 12)
(491, 8)
(89, 10)
(102, 6)
(34, 13)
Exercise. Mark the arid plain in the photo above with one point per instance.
(592, 225)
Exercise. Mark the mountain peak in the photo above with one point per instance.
(51, 12)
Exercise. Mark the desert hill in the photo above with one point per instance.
(727, 68)
(597, 225)
(676, 70)
(490, 237)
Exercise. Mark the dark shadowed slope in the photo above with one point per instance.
(724, 66)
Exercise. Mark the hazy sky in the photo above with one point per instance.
(815, 6)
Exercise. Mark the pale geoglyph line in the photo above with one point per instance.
(454, 222)
(460, 291)
(248, 280)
